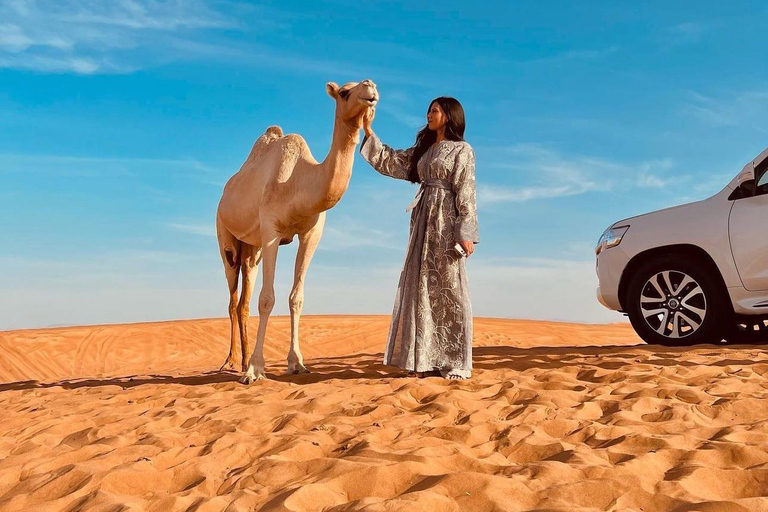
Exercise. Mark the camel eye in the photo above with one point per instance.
(344, 94)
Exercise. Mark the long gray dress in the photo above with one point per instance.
(432, 319)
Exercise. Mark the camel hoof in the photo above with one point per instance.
(298, 369)
(228, 366)
(251, 376)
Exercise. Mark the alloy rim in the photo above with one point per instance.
(673, 304)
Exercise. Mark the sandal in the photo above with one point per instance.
(456, 374)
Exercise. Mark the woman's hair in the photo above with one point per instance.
(454, 130)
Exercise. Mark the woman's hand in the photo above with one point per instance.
(469, 247)
(368, 120)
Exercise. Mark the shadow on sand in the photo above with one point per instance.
(370, 365)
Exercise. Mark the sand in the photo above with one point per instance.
(558, 417)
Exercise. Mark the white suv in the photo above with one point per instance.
(694, 273)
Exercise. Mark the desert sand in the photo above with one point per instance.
(557, 417)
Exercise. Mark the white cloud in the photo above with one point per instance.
(402, 116)
(84, 37)
(556, 175)
(648, 174)
(201, 229)
(713, 183)
(121, 36)
(107, 166)
(144, 14)
(742, 108)
(651, 181)
(13, 39)
(496, 194)
(711, 111)
(81, 66)
(347, 234)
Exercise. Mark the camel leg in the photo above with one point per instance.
(250, 268)
(270, 243)
(232, 275)
(229, 248)
(307, 245)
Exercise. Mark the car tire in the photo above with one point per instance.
(677, 300)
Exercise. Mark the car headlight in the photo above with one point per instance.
(611, 237)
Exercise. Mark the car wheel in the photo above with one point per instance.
(675, 301)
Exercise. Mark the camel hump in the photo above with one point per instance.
(272, 134)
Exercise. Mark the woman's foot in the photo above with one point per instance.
(422, 375)
(455, 374)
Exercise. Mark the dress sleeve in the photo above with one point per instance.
(387, 161)
(464, 189)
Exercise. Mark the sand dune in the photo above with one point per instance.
(557, 417)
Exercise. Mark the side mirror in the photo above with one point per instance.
(746, 174)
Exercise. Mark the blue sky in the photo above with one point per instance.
(122, 120)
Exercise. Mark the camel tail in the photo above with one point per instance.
(233, 259)
(272, 134)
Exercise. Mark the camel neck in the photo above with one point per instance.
(336, 170)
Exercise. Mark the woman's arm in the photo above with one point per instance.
(387, 161)
(466, 231)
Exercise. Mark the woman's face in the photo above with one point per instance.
(436, 118)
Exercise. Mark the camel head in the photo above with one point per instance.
(353, 100)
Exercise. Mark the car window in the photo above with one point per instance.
(762, 179)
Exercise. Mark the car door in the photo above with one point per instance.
(748, 230)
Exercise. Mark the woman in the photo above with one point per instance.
(431, 328)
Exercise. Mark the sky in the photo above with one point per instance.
(121, 121)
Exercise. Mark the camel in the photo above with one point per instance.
(280, 192)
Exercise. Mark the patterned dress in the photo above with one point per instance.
(432, 319)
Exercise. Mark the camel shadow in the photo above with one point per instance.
(125, 382)
(355, 366)
(370, 366)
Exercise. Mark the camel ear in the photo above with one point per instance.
(332, 89)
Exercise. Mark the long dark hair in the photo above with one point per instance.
(454, 130)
